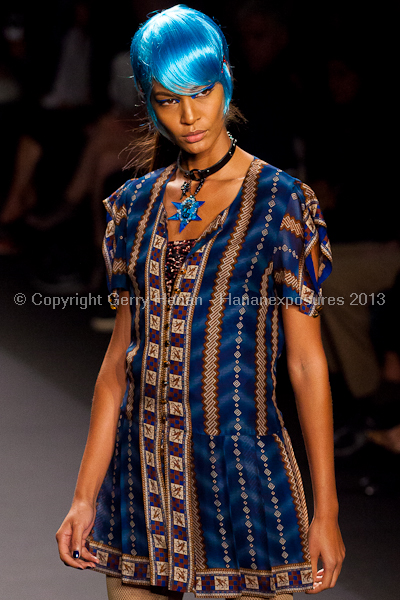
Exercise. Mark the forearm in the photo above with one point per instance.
(100, 442)
(109, 391)
(313, 399)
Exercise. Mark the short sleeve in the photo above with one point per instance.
(302, 235)
(114, 243)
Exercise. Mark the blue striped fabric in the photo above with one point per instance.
(203, 493)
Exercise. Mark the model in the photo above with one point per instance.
(188, 481)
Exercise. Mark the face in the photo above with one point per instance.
(193, 122)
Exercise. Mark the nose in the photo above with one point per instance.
(189, 113)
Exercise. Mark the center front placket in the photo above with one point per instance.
(177, 430)
(169, 444)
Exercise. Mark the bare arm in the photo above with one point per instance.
(308, 373)
(108, 394)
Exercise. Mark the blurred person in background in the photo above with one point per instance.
(52, 135)
(99, 172)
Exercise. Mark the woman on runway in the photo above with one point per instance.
(188, 481)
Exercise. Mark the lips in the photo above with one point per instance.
(194, 136)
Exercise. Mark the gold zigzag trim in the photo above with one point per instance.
(217, 308)
(288, 278)
(107, 260)
(290, 224)
(296, 487)
(311, 203)
(119, 214)
(197, 533)
(274, 346)
(261, 358)
(119, 266)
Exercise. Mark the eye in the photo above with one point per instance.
(167, 101)
(204, 92)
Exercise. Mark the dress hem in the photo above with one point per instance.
(135, 570)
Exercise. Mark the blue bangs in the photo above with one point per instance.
(182, 49)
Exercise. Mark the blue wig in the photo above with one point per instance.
(185, 51)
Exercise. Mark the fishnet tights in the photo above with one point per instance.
(118, 591)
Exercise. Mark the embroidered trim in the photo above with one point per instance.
(217, 307)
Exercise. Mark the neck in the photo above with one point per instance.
(207, 158)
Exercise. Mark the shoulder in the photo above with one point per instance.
(287, 194)
(287, 186)
(276, 189)
(274, 177)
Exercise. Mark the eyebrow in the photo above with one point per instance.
(166, 93)
(174, 95)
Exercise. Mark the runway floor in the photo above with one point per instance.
(49, 359)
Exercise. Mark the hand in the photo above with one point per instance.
(325, 543)
(71, 536)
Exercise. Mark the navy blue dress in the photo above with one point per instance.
(203, 493)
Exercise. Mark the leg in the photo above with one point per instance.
(116, 590)
(361, 270)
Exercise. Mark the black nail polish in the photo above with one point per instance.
(75, 554)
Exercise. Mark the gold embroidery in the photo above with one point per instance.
(217, 302)
(180, 574)
(180, 546)
(290, 224)
(296, 486)
(261, 358)
(156, 513)
(179, 519)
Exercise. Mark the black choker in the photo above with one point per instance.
(187, 210)
(199, 174)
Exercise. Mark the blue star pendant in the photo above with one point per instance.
(186, 211)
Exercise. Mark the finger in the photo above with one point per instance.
(317, 579)
(314, 567)
(336, 574)
(317, 582)
(76, 541)
(84, 562)
(316, 588)
(64, 537)
(89, 557)
(68, 560)
(78, 549)
(325, 582)
(86, 554)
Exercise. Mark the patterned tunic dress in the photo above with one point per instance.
(203, 493)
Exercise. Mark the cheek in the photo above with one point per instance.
(167, 125)
(162, 116)
(219, 107)
(221, 97)
(218, 112)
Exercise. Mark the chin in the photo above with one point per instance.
(195, 147)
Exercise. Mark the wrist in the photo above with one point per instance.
(80, 499)
(327, 510)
